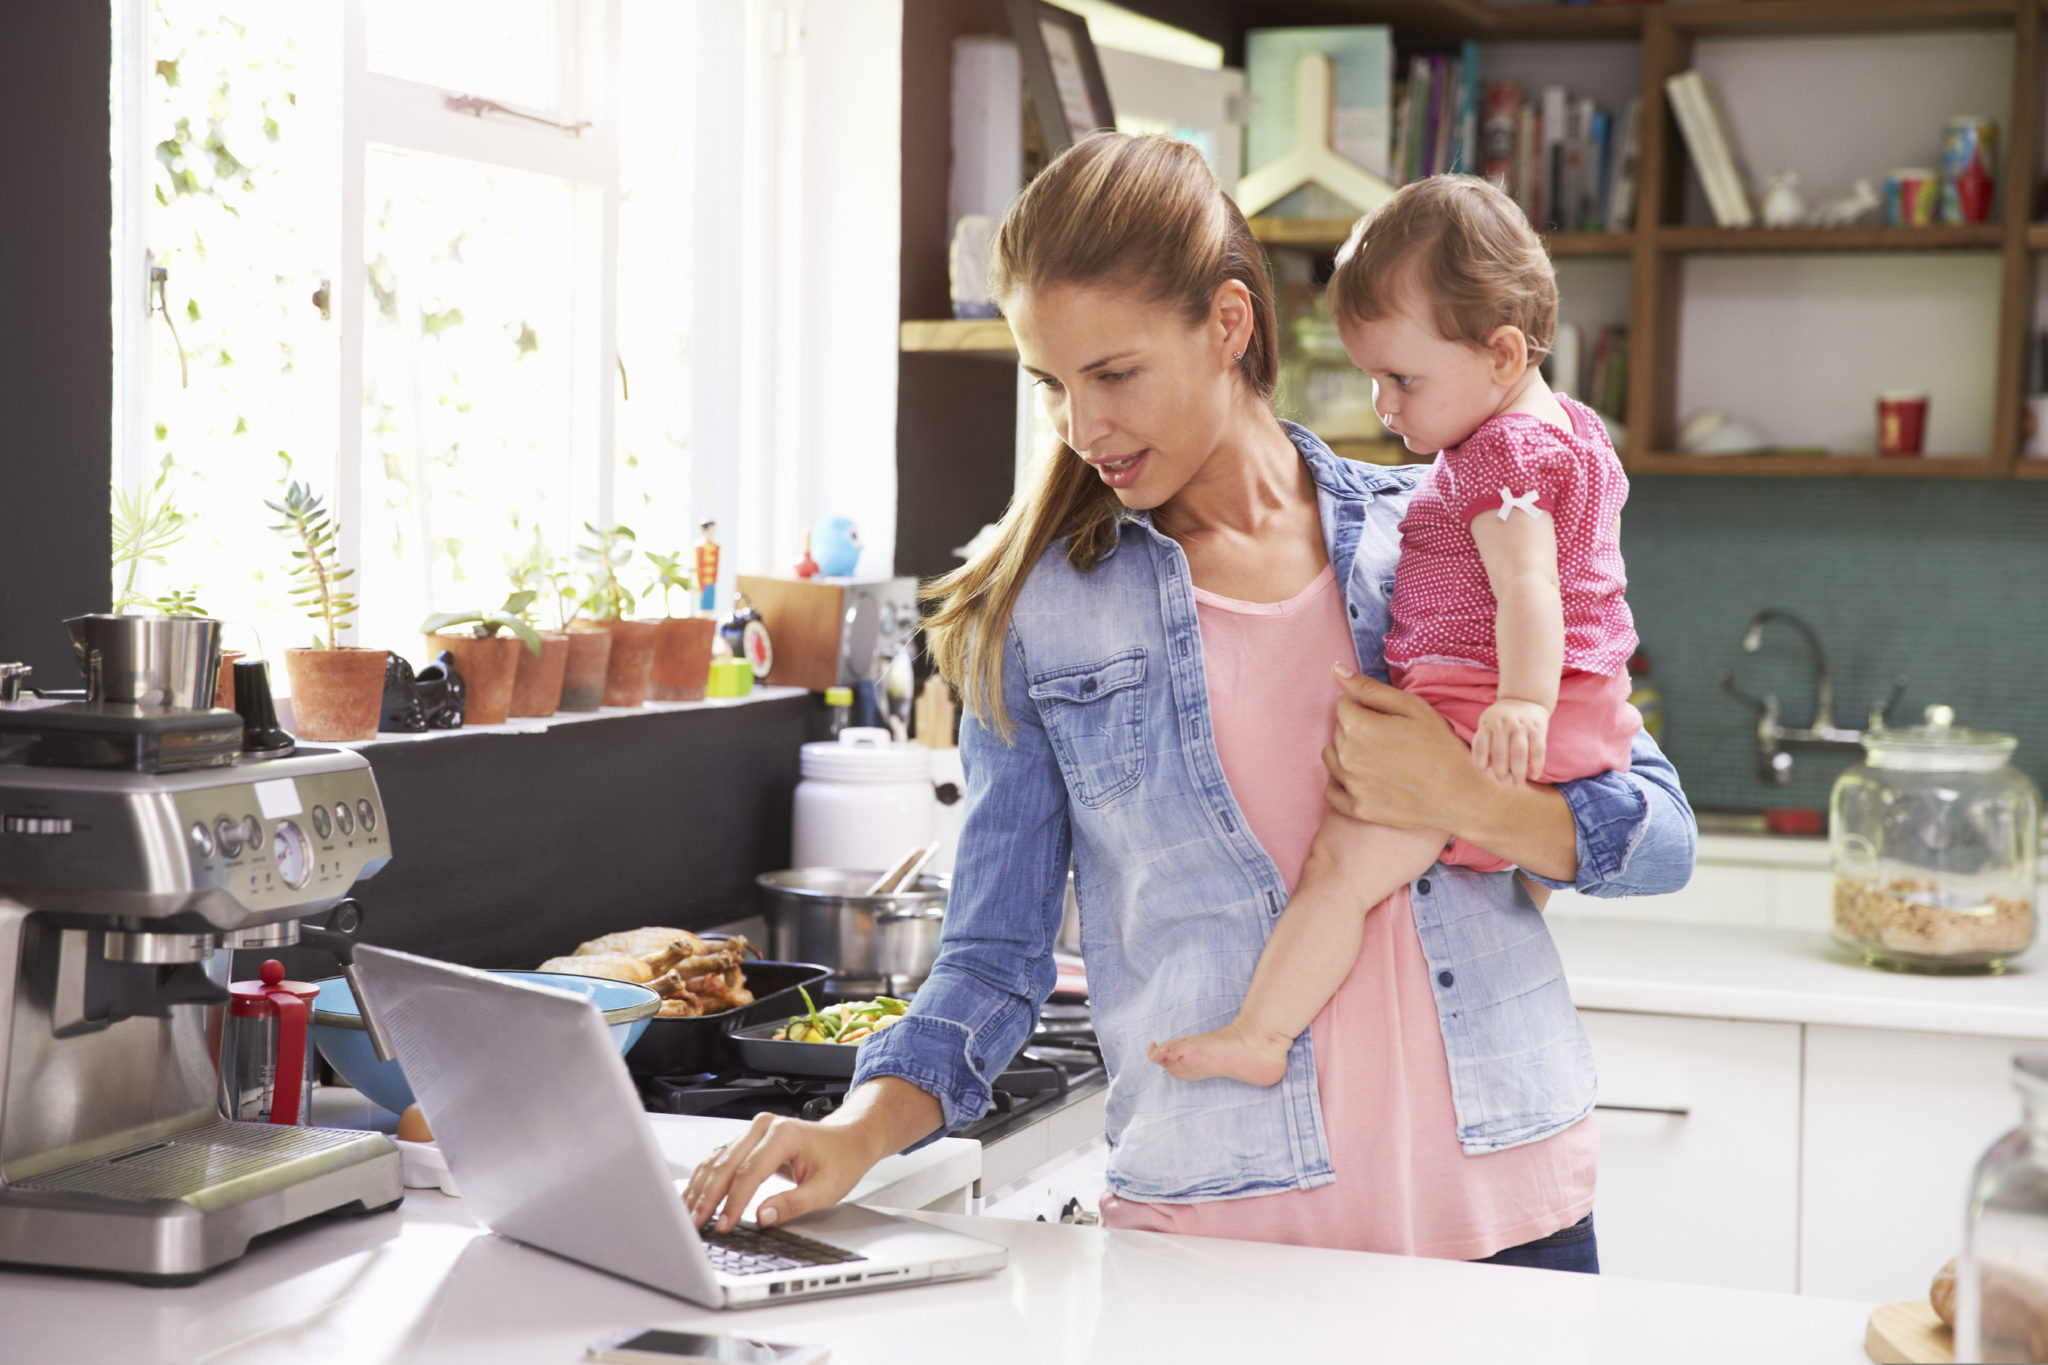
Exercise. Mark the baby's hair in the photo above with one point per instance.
(1474, 256)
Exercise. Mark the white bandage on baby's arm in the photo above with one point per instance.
(1527, 502)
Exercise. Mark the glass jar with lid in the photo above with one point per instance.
(2002, 1275)
(1934, 838)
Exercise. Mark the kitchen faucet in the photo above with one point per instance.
(1774, 764)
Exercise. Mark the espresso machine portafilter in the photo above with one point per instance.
(120, 894)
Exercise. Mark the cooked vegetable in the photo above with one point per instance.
(851, 1021)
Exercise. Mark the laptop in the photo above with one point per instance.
(540, 1124)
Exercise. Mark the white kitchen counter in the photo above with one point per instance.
(1789, 975)
(425, 1286)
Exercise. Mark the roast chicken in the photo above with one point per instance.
(692, 975)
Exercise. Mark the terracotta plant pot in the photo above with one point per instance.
(488, 664)
(626, 675)
(590, 651)
(537, 686)
(336, 693)
(682, 658)
(224, 690)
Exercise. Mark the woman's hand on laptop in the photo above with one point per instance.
(824, 1160)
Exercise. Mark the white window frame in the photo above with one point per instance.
(387, 111)
(794, 308)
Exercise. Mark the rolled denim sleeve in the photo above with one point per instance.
(1636, 832)
(994, 966)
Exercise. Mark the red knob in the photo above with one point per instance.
(272, 972)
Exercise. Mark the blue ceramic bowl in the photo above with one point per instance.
(337, 1028)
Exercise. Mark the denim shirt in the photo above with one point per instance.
(1114, 763)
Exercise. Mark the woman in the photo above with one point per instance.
(1139, 655)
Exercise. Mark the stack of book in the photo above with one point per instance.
(1606, 386)
(1436, 116)
(1704, 127)
(1569, 163)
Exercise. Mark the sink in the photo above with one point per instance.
(1730, 822)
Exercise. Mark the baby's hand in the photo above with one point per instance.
(1509, 742)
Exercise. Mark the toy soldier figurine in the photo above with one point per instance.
(707, 567)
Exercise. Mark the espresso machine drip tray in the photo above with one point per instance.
(206, 1167)
(234, 1181)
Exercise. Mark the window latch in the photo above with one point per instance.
(478, 105)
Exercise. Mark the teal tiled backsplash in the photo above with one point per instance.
(1945, 583)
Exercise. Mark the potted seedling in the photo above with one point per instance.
(487, 660)
(144, 527)
(337, 692)
(608, 603)
(682, 644)
(537, 682)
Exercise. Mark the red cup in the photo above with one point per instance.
(1901, 422)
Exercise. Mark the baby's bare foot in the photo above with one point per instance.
(1227, 1051)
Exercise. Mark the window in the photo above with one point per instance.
(444, 260)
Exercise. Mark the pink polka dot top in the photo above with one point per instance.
(1443, 605)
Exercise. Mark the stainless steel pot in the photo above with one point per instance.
(167, 661)
(821, 914)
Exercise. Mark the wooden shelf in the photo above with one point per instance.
(1710, 240)
(1759, 18)
(1819, 466)
(1327, 234)
(2030, 467)
(960, 336)
(2037, 237)
(1567, 23)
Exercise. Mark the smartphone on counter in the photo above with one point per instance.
(663, 1346)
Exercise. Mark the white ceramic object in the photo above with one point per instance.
(862, 802)
(1783, 206)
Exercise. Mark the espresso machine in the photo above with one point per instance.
(139, 845)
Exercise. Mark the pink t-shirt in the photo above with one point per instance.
(1443, 605)
(1404, 1185)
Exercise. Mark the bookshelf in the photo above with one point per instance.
(1656, 252)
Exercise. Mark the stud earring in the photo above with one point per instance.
(1238, 358)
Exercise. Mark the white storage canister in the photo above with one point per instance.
(863, 801)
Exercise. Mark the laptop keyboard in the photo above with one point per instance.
(762, 1251)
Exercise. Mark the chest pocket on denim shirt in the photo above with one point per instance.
(1095, 714)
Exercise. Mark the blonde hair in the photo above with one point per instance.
(1138, 213)
(1474, 256)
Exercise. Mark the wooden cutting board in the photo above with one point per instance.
(1908, 1334)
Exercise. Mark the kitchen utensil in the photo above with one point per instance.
(1908, 1333)
(158, 661)
(685, 1047)
(337, 1029)
(2001, 1292)
(1933, 839)
(264, 1075)
(862, 800)
(760, 1049)
(904, 870)
(823, 914)
(833, 633)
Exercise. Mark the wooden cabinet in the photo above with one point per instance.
(1893, 1125)
(1699, 1149)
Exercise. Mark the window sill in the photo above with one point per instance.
(536, 725)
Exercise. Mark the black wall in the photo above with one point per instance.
(56, 332)
(508, 849)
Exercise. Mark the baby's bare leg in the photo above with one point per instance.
(1351, 867)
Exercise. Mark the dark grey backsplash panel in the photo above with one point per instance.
(1946, 583)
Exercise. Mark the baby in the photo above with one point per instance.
(1507, 610)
